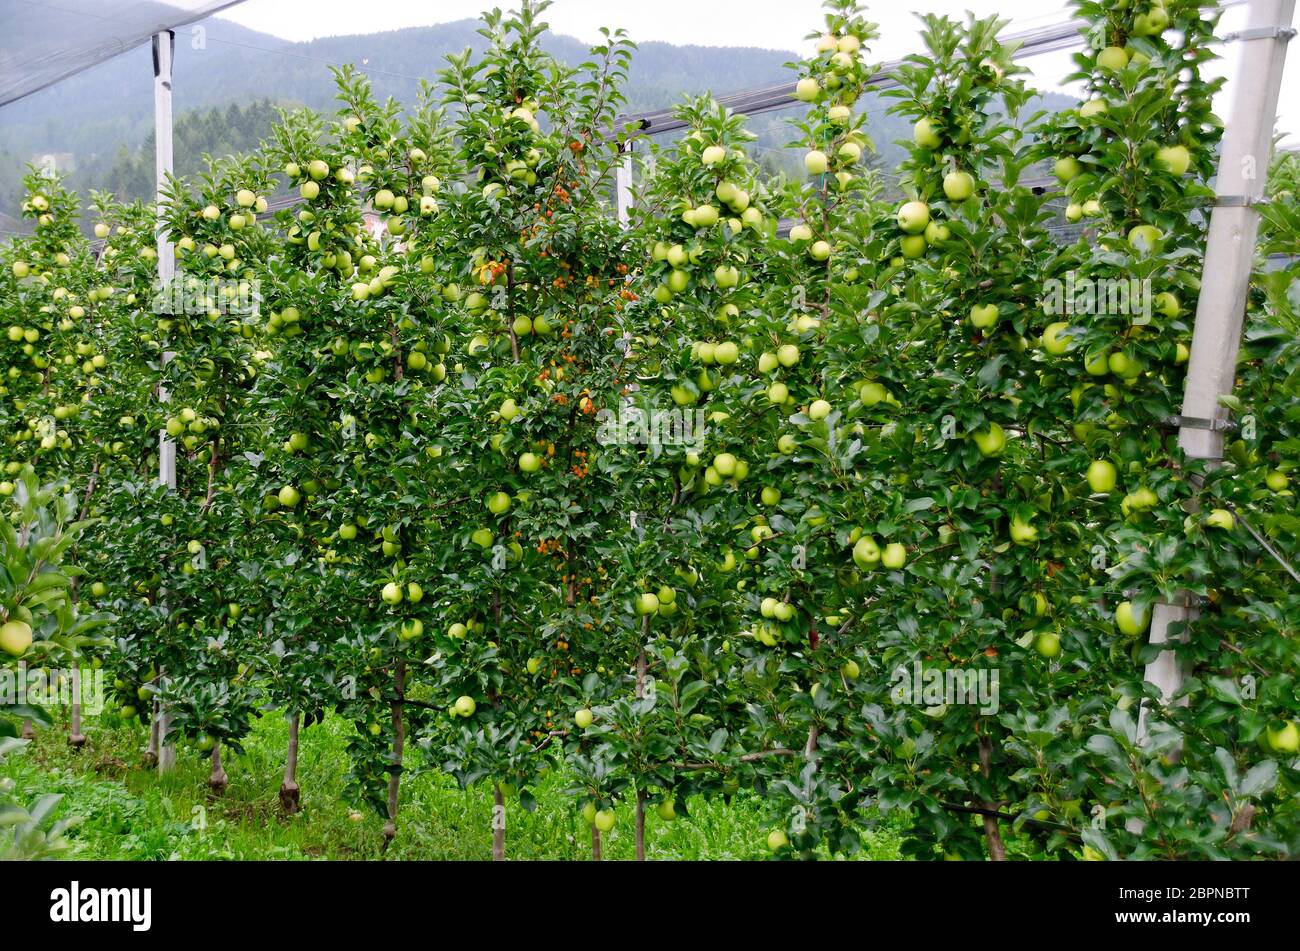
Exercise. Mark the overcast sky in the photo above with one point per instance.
(775, 24)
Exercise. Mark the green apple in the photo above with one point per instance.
(958, 186)
(807, 89)
(1101, 476)
(913, 216)
(498, 503)
(913, 246)
(777, 840)
(1140, 499)
(816, 162)
(465, 706)
(1144, 238)
(713, 155)
(457, 631)
(1175, 159)
(647, 603)
(411, 629)
(1022, 532)
(871, 392)
(1122, 365)
(1129, 620)
(15, 637)
(1277, 480)
(819, 410)
(1151, 23)
(894, 555)
(1056, 340)
(1067, 168)
(288, 496)
(583, 718)
(706, 216)
(1048, 644)
(851, 670)
(925, 134)
(666, 810)
(1220, 518)
(935, 233)
(990, 441)
(529, 462)
(866, 553)
(1093, 107)
(984, 316)
(1286, 739)
(1112, 57)
(604, 820)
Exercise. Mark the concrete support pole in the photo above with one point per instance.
(164, 45)
(1229, 257)
(623, 185)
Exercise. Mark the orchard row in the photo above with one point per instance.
(399, 495)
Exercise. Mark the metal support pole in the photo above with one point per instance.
(1229, 257)
(164, 45)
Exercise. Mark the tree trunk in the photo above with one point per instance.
(640, 793)
(498, 825)
(640, 825)
(217, 779)
(395, 778)
(76, 739)
(290, 798)
(997, 851)
(165, 751)
(151, 751)
(595, 844)
(29, 731)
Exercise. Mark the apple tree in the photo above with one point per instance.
(532, 274)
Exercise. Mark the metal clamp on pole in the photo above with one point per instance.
(1196, 422)
(1283, 33)
(1239, 201)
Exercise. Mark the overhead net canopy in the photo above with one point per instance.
(43, 41)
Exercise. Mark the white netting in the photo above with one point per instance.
(43, 41)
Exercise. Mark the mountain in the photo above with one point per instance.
(100, 122)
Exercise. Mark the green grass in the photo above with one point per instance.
(131, 813)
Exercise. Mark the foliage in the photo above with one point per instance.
(680, 513)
